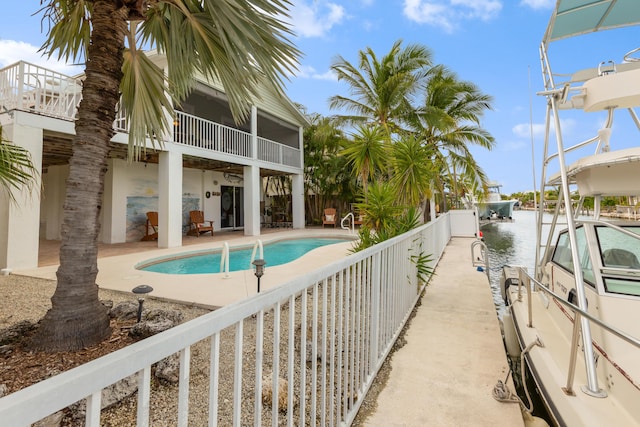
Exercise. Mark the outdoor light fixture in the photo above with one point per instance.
(141, 290)
(259, 263)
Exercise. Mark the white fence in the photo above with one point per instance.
(326, 334)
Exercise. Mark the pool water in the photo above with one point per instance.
(276, 253)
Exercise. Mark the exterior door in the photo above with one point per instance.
(232, 207)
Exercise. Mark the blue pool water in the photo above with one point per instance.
(276, 253)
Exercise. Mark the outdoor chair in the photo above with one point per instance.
(358, 219)
(151, 227)
(198, 224)
(329, 217)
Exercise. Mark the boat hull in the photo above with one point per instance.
(548, 364)
(496, 210)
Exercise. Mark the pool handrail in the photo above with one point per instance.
(352, 222)
(257, 245)
(224, 260)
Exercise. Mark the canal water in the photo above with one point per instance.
(509, 243)
(513, 243)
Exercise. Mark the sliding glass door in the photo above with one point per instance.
(232, 207)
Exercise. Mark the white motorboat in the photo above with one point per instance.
(494, 207)
(575, 321)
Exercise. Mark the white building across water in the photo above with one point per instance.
(206, 163)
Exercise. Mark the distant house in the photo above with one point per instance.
(206, 163)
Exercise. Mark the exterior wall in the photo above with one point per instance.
(53, 183)
(20, 219)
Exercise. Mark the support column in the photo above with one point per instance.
(170, 199)
(254, 132)
(251, 175)
(297, 200)
(20, 219)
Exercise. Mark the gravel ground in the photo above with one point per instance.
(26, 298)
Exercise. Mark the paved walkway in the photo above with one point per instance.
(454, 356)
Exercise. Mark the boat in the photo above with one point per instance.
(574, 320)
(494, 207)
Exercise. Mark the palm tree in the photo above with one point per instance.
(326, 175)
(365, 153)
(382, 89)
(16, 168)
(413, 170)
(449, 120)
(241, 43)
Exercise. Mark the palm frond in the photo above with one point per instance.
(16, 168)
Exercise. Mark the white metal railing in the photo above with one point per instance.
(198, 132)
(530, 284)
(259, 248)
(28, 87)
(331, 331)
(350, 220)
(224, 260)
(274, 152)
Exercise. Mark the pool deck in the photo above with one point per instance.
(116, 266)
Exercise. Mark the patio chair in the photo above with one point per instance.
(358, 219)
(151, 227)
(329, 217)
(198, 224)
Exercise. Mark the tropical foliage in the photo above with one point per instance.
(16, 169)
(412, 125)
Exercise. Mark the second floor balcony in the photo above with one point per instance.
(204, 123)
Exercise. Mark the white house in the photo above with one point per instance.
(207, 163)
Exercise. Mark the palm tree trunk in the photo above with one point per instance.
(77, 318)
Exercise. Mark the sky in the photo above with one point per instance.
(491, 43)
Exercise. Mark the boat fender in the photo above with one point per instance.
(532, 421)
(508, 278)
(510, 337)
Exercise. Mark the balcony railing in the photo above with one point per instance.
(326, 333)
(28, 87)
(274, 152)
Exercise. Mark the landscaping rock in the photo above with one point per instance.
(267, 392)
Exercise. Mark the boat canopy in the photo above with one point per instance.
(576, 17)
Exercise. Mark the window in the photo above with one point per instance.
(562, 255)
(620, 253)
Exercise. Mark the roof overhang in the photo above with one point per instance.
(576, 17)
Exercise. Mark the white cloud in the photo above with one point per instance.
(522, 130)
(308, 72)
(447, 14)
(12, 51)
(539, 4)
(315, 19)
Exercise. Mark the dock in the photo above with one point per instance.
(453, 357)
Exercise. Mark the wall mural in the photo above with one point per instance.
(138, 206)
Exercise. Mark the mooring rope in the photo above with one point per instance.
(501, 391)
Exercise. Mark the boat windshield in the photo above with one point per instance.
(620, 254)
(562, 255)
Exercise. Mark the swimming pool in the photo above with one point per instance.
(276, 253)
